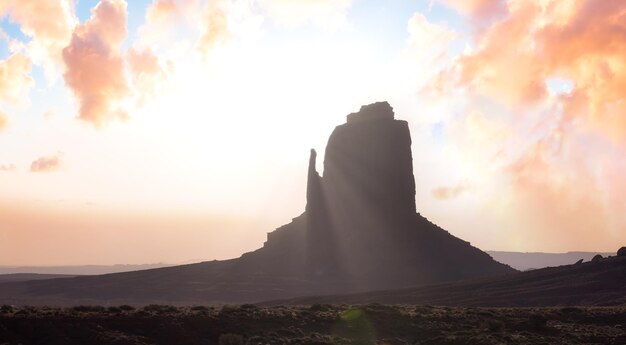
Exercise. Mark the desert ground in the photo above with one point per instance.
(315, 324)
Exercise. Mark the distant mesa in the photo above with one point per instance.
(360, 231)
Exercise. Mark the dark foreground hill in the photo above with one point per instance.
(20, 277)
(597, 283)
(360, 231)
(525, 261)
(317, 324)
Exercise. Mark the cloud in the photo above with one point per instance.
(164, 18)
(330, 14)
(95, 69)
(429, 40)
(445, 193)
(3, 121)
(49, 23)
(215, 25)
(46, 164)
(480, 9)
(15, 79)
(553, 154)
(9, 167)
(148, 73)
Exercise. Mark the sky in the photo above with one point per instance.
(176, 131)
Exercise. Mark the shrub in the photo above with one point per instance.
(114, 310)
(537, 322)
(495, 325)
(126, 307)
(89, 308)
(230, 339)
(159, 309)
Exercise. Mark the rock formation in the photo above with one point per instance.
(360, 226)
(360, 231)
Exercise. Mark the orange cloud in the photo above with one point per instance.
(3, 121)
(95, 68)
(582, 41)
(478, 8)
(46, 164)
(148, 73)
(49, 23)
(165, 16)
(445, 193)
(558, 150)
(215, 24)
(15, 79)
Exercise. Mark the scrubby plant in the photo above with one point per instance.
(159, 309)
(230, 339)
(89, 308)
(537, 322)
(126, 307)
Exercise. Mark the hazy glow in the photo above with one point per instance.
(177, 130)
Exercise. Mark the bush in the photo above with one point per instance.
(114, 310)
(495, 325)
(230, 339)
(319, 307)
(537, 322)
(159, 309)
(126, 307)
(89, 308)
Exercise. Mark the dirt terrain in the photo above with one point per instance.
(598, 283)
(316, 324)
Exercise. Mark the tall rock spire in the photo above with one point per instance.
(320, 244)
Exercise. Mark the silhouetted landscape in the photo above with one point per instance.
(312, 172)
(360, 232)
(359, 245)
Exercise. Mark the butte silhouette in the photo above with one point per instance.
(360, 231)
(360, 226)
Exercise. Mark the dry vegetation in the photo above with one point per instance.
(316, 324)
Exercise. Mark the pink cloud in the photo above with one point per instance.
(148, 73)
(445, 193)
(49, 23)
(479, 9)
(95, 69)
(559, 151)
(15, 79)
(46, 164)
(215, 25)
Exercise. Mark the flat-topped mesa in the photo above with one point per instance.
(374, 111)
